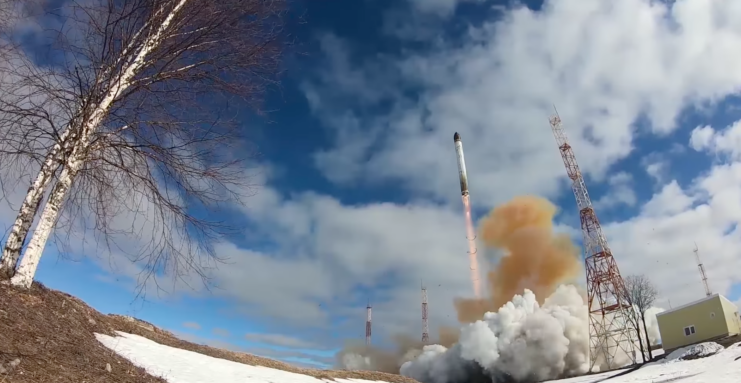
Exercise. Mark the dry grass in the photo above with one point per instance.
(51, 333)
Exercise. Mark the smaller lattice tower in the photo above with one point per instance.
(702, 272)
(368, 324)
(425, 326)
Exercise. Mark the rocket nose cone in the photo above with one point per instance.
(456, 137)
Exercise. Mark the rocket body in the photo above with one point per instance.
(470, 232)
(461, 164)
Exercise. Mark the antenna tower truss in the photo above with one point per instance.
(368, 325)
(425, 326)
(611, 338)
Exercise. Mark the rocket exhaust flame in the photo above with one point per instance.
(470, 233)
(472, 252)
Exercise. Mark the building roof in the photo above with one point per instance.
(693, 303)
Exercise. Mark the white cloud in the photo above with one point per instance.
(621, 192)
(669, 201)
(325, 249)
(220, 332)
(726, 142)
(439, 7)
(192, 325)
(657, 166)
(603, 63)
(278, 340)
(661, 240)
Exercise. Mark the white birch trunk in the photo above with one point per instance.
(24, 219)
(27, 268)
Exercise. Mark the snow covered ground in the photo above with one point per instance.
(181, 366)
(719, 368)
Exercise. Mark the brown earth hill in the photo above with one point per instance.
(48, 336)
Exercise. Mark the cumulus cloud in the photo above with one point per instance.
(220, 332)
(621, 192)
(439, 7)
(295, 357)
(604, 64)
(661, 238)
(192, 325)
(278, 340)
(726, 142)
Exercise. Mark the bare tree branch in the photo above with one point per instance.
(143, 111)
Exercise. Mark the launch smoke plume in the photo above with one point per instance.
(356, 356)
(534, 257)
(520, 342)
(532, 327)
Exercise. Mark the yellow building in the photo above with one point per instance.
(708, 319)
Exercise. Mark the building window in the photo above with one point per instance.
(689, 330)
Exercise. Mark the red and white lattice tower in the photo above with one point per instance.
(610, 335)
(425, 326)
(368, 325)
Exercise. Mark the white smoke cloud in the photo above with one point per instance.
(353, 361)
(523, 341)
(652, 325)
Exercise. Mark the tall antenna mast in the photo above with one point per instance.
(702, 272)
(368, 324)
(425, 327)
(609, 311)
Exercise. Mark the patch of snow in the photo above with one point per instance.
(181, 366)
(700, 350)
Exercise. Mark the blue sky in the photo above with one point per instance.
(359, 197)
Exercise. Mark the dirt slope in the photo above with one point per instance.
(47, 336)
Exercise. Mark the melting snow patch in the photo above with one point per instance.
(697, 351)
(182, 366)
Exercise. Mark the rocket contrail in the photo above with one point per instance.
(470, 233)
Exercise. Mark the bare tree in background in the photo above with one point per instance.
(138, 123)
(641, 294)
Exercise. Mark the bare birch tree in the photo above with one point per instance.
(642, 294)
(27, 101)
(148, 121)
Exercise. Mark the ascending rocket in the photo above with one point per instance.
(461, 164)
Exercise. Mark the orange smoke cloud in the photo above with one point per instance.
(534, 256)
